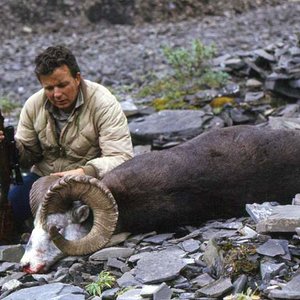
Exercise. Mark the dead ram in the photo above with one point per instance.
(211, 176)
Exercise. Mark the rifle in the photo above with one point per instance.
(9, 174)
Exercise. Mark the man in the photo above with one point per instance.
(70, 127)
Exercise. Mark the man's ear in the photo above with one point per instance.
(78, 78)
(81, 213)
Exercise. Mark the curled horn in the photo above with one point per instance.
(93, 193)
(38, 191)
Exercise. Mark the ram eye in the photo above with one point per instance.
(59, 228)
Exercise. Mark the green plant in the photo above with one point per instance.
(192, 72)
(240, 260)
(105, 280)
(190, 62)
(7, 106)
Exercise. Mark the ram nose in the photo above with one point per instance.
(33, 270)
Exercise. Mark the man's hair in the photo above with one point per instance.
(54, 57)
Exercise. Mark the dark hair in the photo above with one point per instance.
(54, 57)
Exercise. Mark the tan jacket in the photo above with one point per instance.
(96, 136)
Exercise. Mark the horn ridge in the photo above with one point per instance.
(97, 196)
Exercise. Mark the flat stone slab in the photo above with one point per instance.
(216, 288)
(49, 291)
(160, 266)
(259, 212)
(167, 122)
(290, 291)
(284, 218)
(112, 252)
(11, 253)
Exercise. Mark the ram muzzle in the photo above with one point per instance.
(55, 195)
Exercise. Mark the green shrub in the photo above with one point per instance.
(105, 280)
(192, 71)
(190, 62)
(7, 106)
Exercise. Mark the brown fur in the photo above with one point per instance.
(212, 176)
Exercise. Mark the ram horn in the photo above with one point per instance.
(38, 191)
(93, 193)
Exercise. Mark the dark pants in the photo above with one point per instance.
(18, 196)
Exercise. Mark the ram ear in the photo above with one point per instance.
(80, 214)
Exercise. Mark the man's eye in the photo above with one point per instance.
(62, 85)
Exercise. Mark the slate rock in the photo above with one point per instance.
(159, 266)
(203, 280)
(166, 122)
(190, 245)
(127, 279)
(156, 292)
(290, 291)
(49, 291)
(132, 294)
(259, 212)
(284, 218)
(268, 269)
(159, 238)
(271, 248)
(216, 288)
(106, 253)
(12, 253)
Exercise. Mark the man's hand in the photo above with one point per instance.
(78, 171)
(1, 136)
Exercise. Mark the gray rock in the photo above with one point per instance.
(11, 253)
(254, 97)
(239, 284)
(115, 263)
(156, 292)
(109, 294)
(127, 279)
(248, 233)
(216, 288)
(106, 253)
(283, 123)
(290, 111)
(253, 83)
(284, 218)
(6, 266)
(49, 291)
(213, 257)
(190, 245)
(296, 200)
(132, 294)
(159, 266)
(203, 280)
(268, 269)
(16, 276)
(129, 108)
(159, 238)
(271, 248)
(211, 233)
(259, 212)
(262, 53)
(11, 285)
(290, 291)
(166, 122)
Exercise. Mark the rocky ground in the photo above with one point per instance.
(125, 58)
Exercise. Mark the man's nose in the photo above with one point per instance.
(57, 92)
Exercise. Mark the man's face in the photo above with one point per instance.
(61, 88)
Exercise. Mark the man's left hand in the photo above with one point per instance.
(78, 171)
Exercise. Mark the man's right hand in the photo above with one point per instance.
(1, 136)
